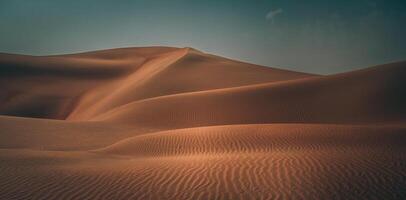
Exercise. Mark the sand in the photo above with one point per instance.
(177, 123)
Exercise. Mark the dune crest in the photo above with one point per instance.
(178, 123)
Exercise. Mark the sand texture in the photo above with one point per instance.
(177, 123)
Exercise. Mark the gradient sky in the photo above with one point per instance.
(317, 36)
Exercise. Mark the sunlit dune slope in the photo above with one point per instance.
(374, 95)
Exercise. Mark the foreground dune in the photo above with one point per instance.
(176, 123)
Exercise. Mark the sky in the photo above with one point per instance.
(315, 36)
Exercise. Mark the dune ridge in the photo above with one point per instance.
(257, 138)
(178, 123)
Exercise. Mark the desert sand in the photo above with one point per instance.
(178, 123)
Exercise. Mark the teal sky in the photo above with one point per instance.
(315, 36)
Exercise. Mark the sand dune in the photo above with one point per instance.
(184, 70)
(177, 123)
(375, 95)
(96, 82)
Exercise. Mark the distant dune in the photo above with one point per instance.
(177, 123)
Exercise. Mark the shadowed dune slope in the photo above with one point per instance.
(50, 86)
(45, 134)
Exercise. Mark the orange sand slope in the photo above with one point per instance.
(177, 123)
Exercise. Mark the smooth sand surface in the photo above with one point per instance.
(177, 123)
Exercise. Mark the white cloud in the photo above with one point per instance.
(271, 14)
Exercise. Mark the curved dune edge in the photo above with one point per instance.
(256, 138)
